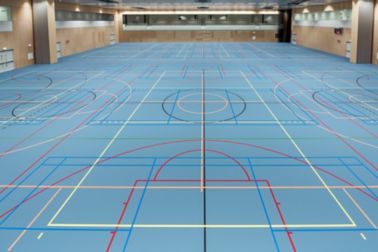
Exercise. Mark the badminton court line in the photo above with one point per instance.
(105, 150)
(300, 151)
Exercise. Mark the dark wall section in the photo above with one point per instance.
(284, 32)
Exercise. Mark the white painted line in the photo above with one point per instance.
(34, 220)
(363, 236)
(40, 236)
(105, 150)
(291, 139)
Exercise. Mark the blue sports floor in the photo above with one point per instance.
(182, 147)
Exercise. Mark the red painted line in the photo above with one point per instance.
(33, 134)
(199, 150)
(48, 151)
(352, 120)
(332, 130)
(18, 97)
(183, 70)
(222, 70)
(288, 233)
(300, 161)
(175, 142)
(60, 141)
(126, 204)
(326, 125)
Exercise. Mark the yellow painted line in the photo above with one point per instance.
(105, 150)
(300, 150)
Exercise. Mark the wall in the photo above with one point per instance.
(184, 36)
(323, 38)
(375, 43)
(22, 34)
(76, 40)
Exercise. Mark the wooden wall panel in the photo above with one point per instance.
(22, 34)
(323, 38)
(197, 36)
(76, 40)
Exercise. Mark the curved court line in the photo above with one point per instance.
(302, 93)
(358, 82)
(116, 97)
(49, 79)
(181, 107)
(316, 97)
(15, 150)
(81, 83)
(34, 195)
(199, 150)
(334, 132)
(31, 166)
(325, 125)
(10, 102)
(59, 115)
(352, 120)
(233, 117)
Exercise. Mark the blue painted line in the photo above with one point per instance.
(358, 178)
(231, 107)
(22, 181)
(57, 105)
(139, 205)
(359, 109)
(98, 113)
(115, 107)
(329, 230)
(309, 117)
(186, 72)
(173, 106)
(342, 106)
(31, 193)
(368, 168)
(264, 206)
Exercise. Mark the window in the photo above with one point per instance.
(5, 14)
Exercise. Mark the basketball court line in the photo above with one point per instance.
(56, 96)
(340, 137)
(105, 150)
(212, 187)
(336, 88)
(300, 151)
(360, 208)
(10, 248)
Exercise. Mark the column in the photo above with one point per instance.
(44, 31)
(362, 31)
(284, 32)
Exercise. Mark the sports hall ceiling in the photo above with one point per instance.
(139, 5)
